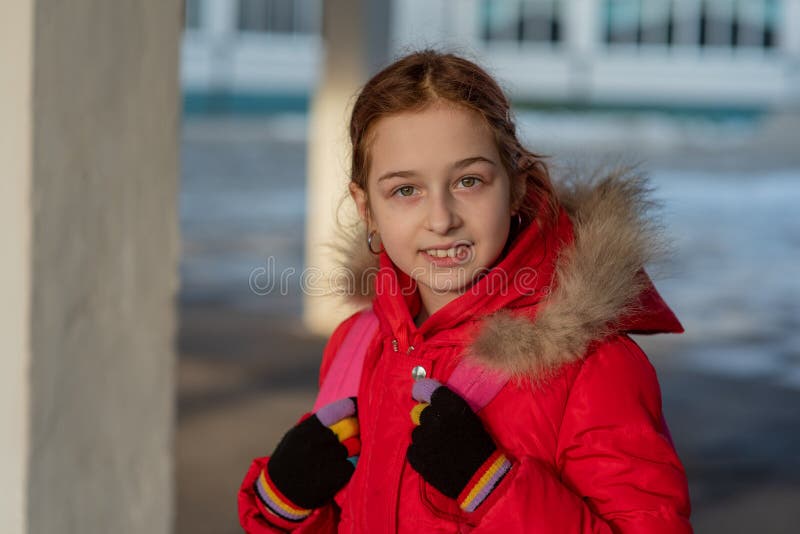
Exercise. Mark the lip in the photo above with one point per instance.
(448, 245)
(447, 261)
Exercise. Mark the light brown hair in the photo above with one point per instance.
(422, 78)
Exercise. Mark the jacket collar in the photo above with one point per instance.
(587, 281)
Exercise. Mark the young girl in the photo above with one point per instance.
(482, 263)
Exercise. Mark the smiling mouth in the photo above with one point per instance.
(449, 257)
(459, 251)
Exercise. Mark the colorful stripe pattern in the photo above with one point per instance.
(276, 502)
(340, 417)
(483, 481)
(416, 411)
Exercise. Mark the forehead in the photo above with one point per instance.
(429, 140)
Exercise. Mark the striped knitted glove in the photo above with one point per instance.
(312, 462)
(450, 448)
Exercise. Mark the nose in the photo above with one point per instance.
(442, 215)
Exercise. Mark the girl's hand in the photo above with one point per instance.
(312, 462)
(450, 448)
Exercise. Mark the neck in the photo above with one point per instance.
(430, 303)
(421, 316)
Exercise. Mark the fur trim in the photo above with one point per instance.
(597, 282)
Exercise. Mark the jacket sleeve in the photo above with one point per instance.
(254, 517)
(618, 471)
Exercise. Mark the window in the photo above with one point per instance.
(521, 21)
(192, 14)
(702, 23)
(280, 16)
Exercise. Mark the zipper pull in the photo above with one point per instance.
(396, 346)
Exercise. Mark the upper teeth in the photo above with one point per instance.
(442, 253)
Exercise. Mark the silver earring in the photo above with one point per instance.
(519, 219)
(369, 243)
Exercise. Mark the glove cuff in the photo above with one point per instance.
(275, 501)
(483, 481)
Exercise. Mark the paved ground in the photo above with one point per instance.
(244, 377)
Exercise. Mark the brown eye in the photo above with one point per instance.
(469, 181)
(405, 191)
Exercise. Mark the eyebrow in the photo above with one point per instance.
(457, 165)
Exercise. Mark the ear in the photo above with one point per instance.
(360, 198)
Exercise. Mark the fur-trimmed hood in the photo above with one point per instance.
(598, 285)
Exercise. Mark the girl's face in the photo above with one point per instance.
(436, 187)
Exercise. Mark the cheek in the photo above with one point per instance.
(497, 223)
(497, 205)
(396, 233)
(397, 242)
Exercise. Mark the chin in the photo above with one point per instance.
(445, 282)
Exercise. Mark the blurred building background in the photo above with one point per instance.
(262, 55)
(704, 93)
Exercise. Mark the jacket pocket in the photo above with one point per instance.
(443, 506)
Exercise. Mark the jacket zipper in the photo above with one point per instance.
(395, 346)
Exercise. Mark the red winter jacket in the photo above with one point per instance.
(582, 420)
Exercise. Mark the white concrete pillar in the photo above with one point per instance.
(355, 37)
(89, 101)
(221, 18)
(582, 34)
(582, 26)
(16, 127)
